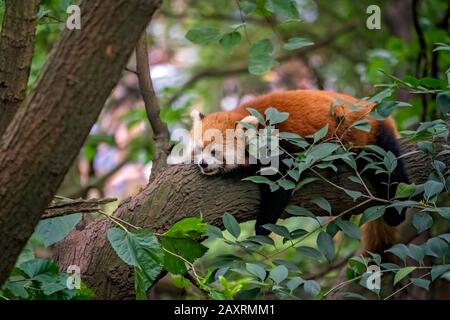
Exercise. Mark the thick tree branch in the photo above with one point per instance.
(16, 52)
(51, 125)
(180, 191)
(160, 130)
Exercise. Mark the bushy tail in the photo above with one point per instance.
(378, 236)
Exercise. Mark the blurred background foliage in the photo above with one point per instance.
(188, 71)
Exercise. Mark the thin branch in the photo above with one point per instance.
(68, 206)
(98, 183)
(160, 130)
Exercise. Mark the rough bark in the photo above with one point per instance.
(51, 125)
(16, 52)
(178, 192)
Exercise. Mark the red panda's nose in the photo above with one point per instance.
(203, 164)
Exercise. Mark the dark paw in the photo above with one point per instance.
(393, 218)
(260, 231)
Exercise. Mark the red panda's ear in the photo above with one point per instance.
(196, 115)
(250, 120)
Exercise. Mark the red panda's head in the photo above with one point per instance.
(218, 140)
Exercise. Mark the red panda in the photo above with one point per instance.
(309, 111)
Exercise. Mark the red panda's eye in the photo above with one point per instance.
(213, 152)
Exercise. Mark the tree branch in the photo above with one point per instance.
(229, 72)
(181, 191)
(16, 52)
(160, 130)
(69, 206)
(98, 183)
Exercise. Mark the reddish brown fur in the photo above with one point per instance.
(309, 111)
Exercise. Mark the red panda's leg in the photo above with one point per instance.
(386, 139)
(271, 207)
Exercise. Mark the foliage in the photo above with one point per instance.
(298, 260)
(41, 279)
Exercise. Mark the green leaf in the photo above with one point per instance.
(353, 194)
(400, 274)
(283, 8)
(261, 47)
(261, 240)
(371, 214)
(320, 134)
(421, 283)
(430, 82)
(438, 247)
(305, 181)
(297, 233)
(260, 59)
(259, 179)
(405, 190)
(350, 229)
(422, 221)
(279, 230)
(286, 184)
(381, 95)
(213, 232)
(444, 212)
(390, 161)
(297, 43)
(203, 36)
(326, 245)
(384, 109)
(187, 248)
(141, 250)
(437, 271)
(416, 252)
(294, 283)
(55, 229)
(231, 225)
(443, 101)
(274, 116)
(299, 211)
(311, 287)
(279, 274)
(431, 188)
(16, 287)
(230, 40)
(309, 252)
(257, 114)
(256, 270)
(445, 236)
(39, 266)
(192, 227)
(400, 250)
(51, 284)
(363, 125)
(322, 203)
(322, 150)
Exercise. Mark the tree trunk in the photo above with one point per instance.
(16, 52)
(51, 125)
(178, 192)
